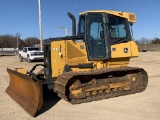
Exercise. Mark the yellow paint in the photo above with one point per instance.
(76, 53)
(58, 57)
(72, 53)
(118, 50)
(128, 49)
(117, 62)
(134, 49)
(22, 70)
(67, 52)
(99, 64)
(130, 16)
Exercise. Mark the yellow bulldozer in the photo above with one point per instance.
(90, 65)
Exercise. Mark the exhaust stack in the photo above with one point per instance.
(73, 24)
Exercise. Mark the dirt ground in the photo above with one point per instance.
(140, 106)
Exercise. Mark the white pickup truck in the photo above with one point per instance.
(30, 54)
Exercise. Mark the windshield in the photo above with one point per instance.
(32, 49)
(95, 36)
(117, 27)
(81, 27)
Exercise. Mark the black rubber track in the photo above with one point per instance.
(64, 81)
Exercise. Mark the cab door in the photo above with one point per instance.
(97, 42)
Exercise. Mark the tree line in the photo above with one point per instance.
(11, 41)
(144, 40)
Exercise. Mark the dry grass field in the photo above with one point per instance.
(149, 47)
(140, 106)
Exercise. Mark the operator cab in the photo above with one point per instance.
(101, 30)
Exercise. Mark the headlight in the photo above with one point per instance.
(32, 54)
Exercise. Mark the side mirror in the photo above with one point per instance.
(106, 21)
(87, 23)
(24, 51)
(131, 24)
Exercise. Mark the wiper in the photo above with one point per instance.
(122, 40)
(105, 23)
(118, 40)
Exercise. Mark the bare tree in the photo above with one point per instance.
(156, 41)
(8, 41)
(31, 41)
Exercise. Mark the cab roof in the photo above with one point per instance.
(130, 16)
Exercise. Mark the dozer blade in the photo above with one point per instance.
(25, 91)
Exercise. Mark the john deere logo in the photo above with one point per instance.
(125, 50)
